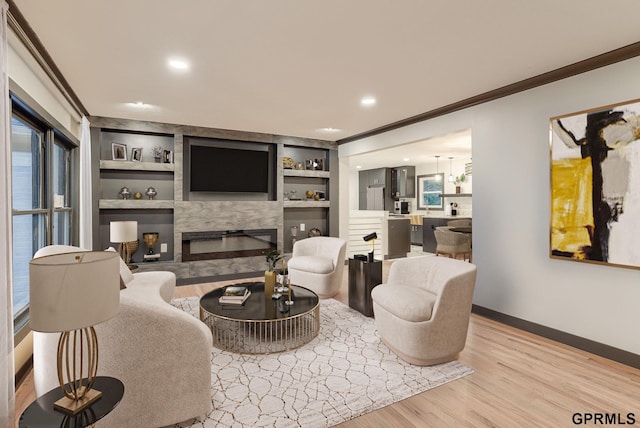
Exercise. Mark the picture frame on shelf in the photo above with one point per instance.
(167, 156)
(430, 189)
(119, 151)
(136, 154)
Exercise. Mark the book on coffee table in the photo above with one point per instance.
(234, 295)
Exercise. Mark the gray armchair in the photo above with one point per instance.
(452, 244)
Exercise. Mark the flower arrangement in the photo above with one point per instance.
(460, 179)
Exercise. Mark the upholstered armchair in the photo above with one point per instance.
(160, 353)
(464, 222)
(317, 264)
(452, 244)
(422, 312)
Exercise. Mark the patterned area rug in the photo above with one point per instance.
(343, 373)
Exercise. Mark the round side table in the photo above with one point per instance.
(41, 413)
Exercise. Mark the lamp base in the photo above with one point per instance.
(71, 406)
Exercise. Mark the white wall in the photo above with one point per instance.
(511, 209)
(24, 70)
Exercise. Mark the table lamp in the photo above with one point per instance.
(123, 233)
(70, 293)
(371, 237)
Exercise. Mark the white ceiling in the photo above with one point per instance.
(292, 67)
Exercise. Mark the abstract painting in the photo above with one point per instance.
(595, 185)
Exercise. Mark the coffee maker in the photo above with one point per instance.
(402, 207)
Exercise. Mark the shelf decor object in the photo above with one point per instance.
(594, 185)
(125, 193)
(123, 232)
(151, 193)
(150, 239)
(136, 154)
(119, 151)
(71, 293)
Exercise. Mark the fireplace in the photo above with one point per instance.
(227, 244)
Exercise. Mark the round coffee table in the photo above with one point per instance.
(260, 325)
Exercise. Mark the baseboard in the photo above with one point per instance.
(600, 349)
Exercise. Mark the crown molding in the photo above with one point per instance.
(612, 57)
(19, 25)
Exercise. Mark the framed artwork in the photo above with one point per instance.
(595, 185)
(119, 151)
(136, 154)
(430, 189)
(167, 156)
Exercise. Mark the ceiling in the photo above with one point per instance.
(294, 67)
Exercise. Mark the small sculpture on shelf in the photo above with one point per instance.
(314, 232)
(150, 239)
(125, 193)
(287, 163)
(151, 193)
(137, 195)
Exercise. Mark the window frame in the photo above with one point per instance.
(28, 110)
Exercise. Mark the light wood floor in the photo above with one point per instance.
(520, 380)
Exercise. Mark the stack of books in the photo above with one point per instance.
(234, 295)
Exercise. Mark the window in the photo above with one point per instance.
(41, 168)
(62, 210)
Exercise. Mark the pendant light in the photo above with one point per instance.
(437, 175)
(451, 178)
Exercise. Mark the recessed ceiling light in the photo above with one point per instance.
(406, 159)
(368, 101)
(359, 166)
(329, 130)
(178, 64)
(139, 105)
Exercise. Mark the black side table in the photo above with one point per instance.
(363, 277)
(41, 414)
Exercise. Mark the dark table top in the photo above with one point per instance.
(41, 413)
(256, 307)
(461, 229)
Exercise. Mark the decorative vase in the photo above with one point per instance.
(269, 283)
(458, 189)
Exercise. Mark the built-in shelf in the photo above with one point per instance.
(135, 204)
(456, 195)
(136, 166)
(306, 204)
(305, 173)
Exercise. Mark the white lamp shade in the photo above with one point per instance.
(123, 231)
(74, 290)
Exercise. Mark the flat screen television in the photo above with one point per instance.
(217, 169)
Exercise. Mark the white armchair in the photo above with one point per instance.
(160, 353)
(422, 312)
(317, 264)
